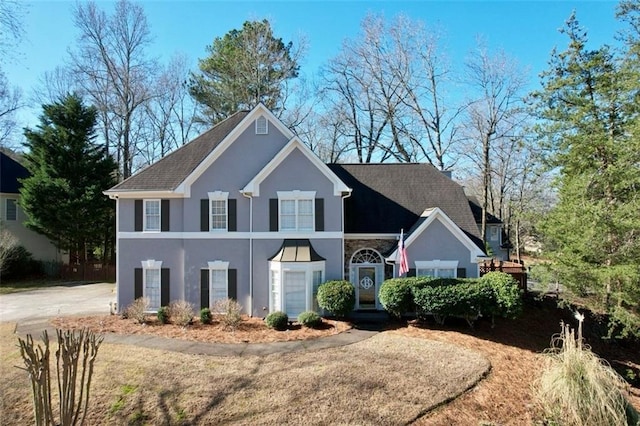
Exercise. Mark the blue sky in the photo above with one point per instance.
(525, 30)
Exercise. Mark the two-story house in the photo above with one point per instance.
(247, 211)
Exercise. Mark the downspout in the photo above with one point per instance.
(250, 251)
(117, 308)
(344, 197)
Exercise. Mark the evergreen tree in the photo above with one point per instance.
(589, 113)
(63, 196)
(244, 67)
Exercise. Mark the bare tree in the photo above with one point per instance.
(10, 103)
(11, 31)
(115, 73)
(495, 115)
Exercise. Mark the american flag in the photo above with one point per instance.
(402, 256)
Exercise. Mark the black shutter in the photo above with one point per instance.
(232, 284)
(204, 288)
(462, 273)
(165, 296)
(232, 224)
(138, 216)
(137, 283)
(164, 215)
(411, 273)
(273, 214)
(204, 215)
(319, 214)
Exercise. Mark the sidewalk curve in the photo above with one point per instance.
(348, 337)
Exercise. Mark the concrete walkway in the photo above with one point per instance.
(35, 328)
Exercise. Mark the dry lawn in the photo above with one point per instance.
(388, 379)
(395, 377)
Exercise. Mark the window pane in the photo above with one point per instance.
(275, 291)
(446, 273)
(317, 280)
(152, 287)
(218, 285)
(152, 215)
(11, 211)
(288, 207)
(287, 214)
(218, 214)
(294, 293)
(305, 207)
(429, 272)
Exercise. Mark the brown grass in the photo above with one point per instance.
(251, 330)
(392, 378)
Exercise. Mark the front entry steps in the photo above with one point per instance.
(369, 319)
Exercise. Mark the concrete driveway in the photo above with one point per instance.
(56, 301)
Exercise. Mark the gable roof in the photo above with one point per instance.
(476, 209)
(10, 172)
(427, 218)
(170, 171)
(253, 187)
(389, 197)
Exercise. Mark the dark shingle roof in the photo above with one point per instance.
(167, 173)
(10, 172)
(477, 212)
(390, 197)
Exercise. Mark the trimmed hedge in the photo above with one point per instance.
(277, 320)
(337, 297)
(496, 294)
(310, 319)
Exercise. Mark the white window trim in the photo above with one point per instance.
(219, 196)
(266, 125)
(144, 215)
(307, 267)
(6, 209)
(218, 265)
(147, 265)
(436, 265)
(296, 196)
(497, 235)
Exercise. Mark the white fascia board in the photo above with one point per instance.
(226, 235)
(437, 213)
(253, 187)
(260, 109)
(143, 194)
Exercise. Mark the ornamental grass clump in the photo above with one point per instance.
(579, 388)
(137, 310)
(228, 313)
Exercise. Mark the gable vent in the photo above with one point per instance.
(262, 126)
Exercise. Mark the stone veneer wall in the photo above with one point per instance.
(382, 246)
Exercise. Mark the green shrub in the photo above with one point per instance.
(17, 263)
(229, 313)
(277, 320)
(163, 314)
(205, 316)
(310, 319)
(578, 388)
(181, 312)
(507, 296)
(462, 298)
(396, 296)
(337, 297)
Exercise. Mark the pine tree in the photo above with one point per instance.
(63, 196)
(244, 68)
(590, 127)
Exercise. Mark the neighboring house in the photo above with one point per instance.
(12, 217)
(497, 239)
(247, 211)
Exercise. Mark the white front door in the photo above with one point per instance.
(295, 294)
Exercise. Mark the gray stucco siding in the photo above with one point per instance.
(296, 172)
(131, 255)
(198, 253)
(126, 214)
(237, 165)
(330, 249)
(436, 242)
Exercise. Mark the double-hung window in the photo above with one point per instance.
(218, 282)
(218, 210)
(437, 268)
(296, 210)
(151, 215)
(11, 209)
(151, 283)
